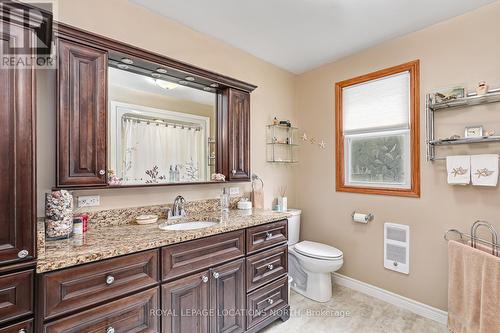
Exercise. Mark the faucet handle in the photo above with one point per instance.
(167, 212)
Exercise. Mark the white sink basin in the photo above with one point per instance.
(193, 225)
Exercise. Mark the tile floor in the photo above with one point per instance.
(366, 315)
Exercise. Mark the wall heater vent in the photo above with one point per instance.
(397, 247)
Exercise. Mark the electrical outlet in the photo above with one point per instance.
(234, 191)
(89, 201)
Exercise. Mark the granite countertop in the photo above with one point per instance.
(116, 240)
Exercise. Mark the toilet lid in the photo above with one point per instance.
(318, 250)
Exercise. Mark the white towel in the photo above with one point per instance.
(458, 168)
(484, 170)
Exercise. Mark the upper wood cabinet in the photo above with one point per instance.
(234, 147)
(17, 149)
(81, 115)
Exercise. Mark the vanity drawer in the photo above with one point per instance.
(22, 327)
(190, 257)
(130, 314)
(74, 288)
(16, 295)
(264, 301)
(267, 235)
(266, 266)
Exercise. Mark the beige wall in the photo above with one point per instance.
(462, 50)
(124, 21)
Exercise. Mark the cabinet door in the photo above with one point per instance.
(81, 116)
(239, 134)
(228, 297)
(185, 304)
(17, 149)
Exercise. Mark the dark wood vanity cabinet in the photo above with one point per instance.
(238, 144)
(81, 115)
(206, 285)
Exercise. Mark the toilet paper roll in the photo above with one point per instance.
(361, 218)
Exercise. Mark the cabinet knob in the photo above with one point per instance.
(233, 171)
(22, 330)
(270, 267)
(102, 172)
(216, 275)
(268, 235)
(110, 279)
(23, 253)
(110, 329)
(204, 278)
(270, 301)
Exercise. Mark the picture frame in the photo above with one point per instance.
(449, 94)
(474, 131)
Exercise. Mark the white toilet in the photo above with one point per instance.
(310, 264)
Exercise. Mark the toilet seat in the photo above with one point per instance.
(318, 250)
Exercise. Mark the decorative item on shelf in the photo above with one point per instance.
(276, 121)
(286, 123)
(474, 132)
(58, 215)
(449, 94)
(282, 199)
(482, 88)
(257, 196)
(489, 133)
(218, 177)
(452, 138)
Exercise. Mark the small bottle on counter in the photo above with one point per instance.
(224, 200)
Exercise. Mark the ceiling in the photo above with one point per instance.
(298, 35)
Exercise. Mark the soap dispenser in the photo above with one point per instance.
(224, 200)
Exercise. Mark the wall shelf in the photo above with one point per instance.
(281, 144)
(472, 99)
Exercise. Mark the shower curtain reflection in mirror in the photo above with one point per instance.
(158, 146)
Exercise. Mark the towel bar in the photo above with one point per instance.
(495, 246)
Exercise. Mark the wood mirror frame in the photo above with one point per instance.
(82, 104)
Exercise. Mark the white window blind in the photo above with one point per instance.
(381, 104)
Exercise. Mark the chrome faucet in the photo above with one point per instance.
(178, 206)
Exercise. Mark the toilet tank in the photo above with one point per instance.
(293, 226)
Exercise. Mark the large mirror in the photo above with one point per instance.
(160, 130)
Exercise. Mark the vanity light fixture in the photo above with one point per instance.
(155, 75)
(127, 61)
(122, 66)
(207, 88)
(161, 70)
(214, 85)
(184, 83)
(189, 78)
(165, 84)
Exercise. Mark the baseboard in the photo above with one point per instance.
(421, 309)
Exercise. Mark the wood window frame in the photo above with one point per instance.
(413, 68)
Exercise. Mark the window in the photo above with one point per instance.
(377, 132)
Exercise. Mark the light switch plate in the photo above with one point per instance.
(234, 191)
(89, 201)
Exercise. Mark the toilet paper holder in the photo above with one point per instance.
(363, 218)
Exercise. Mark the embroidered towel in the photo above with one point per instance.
(484, 170)
(473, 289)
(458, 168)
